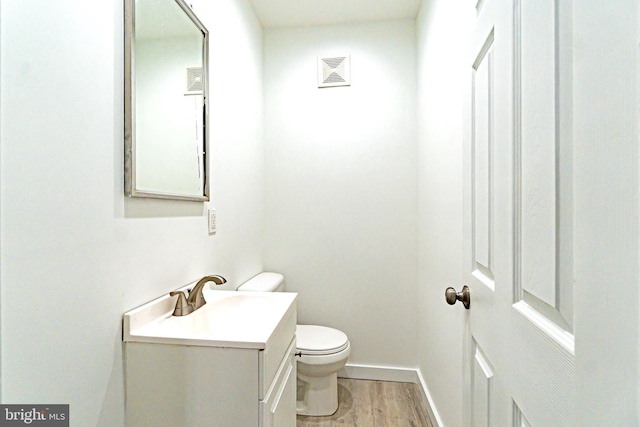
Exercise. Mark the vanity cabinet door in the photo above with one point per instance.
(190, 386)
(270, 359)
(278, 409)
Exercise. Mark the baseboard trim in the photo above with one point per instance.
(379, 373)
(403, 375)
(431, 407)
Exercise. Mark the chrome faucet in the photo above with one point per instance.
(195, 300)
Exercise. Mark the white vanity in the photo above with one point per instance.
(228, 364)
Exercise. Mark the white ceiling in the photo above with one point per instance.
(296, 13)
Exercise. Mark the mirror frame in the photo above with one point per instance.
(130, 104)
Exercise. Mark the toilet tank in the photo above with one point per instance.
(264, 282)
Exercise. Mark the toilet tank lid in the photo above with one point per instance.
(263, 282)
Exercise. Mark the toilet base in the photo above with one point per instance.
(317, 396)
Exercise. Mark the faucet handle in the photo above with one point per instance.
(182, 306)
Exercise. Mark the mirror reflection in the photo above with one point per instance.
(166, 135)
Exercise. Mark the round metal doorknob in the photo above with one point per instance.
(464, 296)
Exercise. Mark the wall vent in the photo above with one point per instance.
(334, 71)
(194, 81)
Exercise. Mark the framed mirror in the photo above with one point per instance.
(166, 95)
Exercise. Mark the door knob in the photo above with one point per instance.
(452, 296)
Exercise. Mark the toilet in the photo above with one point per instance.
(321, 352)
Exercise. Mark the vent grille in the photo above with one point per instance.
(334, 71)
(194, 79)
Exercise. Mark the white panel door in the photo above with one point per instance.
(518, 216)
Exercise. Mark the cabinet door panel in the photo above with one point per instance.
(279, 407)
(271, 358)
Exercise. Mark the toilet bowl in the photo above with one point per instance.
(321, 352)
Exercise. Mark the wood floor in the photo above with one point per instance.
(364, 403)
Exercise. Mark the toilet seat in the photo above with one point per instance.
(314, 340)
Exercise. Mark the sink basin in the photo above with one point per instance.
(228, 319)
(245, 310)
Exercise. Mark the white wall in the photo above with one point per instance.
(341, 183)
(75, 253)
(442, 36)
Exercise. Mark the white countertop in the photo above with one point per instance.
(236, 319)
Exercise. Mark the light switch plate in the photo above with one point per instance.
(212, 221)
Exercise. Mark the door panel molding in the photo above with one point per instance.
(543, 270)
(550, 385)
(560, 336)
(481, 397)
(482, 166)
(519, 420)
(538, 139)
